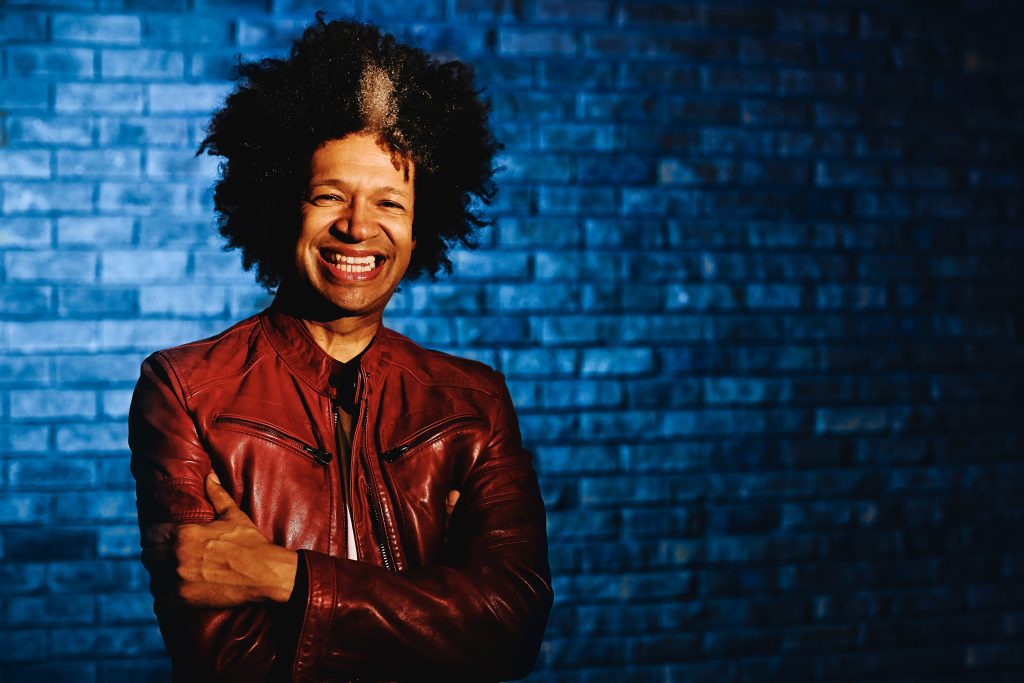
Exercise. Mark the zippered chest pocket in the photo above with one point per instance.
(428, 435)
(274, 434)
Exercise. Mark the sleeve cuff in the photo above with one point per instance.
(313, 602)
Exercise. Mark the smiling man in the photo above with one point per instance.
(320, 498)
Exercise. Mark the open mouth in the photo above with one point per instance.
(351, 264)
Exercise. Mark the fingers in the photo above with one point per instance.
(222, 501)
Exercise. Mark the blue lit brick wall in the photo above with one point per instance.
(756, 288)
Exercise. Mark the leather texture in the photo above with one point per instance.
(464, 596)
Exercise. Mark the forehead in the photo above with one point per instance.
(359, 154)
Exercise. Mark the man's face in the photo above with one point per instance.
(356, 236)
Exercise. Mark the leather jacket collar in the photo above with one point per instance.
(295, 345)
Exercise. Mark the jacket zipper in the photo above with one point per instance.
(433, 433)
(371, 483)
(320, 455)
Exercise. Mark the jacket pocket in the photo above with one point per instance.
(428, 435)
(274, 434)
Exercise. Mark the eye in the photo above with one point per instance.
(324, 199)
(390, 204)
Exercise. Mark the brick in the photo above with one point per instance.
(53, 671)
(25, 301)
(557, 394)
(118, 541)
(50, 610)
(24, 508)
(114, 98)
(616, 362)
(98, 29)
(180, 164)
(27, 370)
(516, 42)
(185, 98)
(590, 524)
(24, 164)
(95, 576)
(20, 646)
(24, 439)
(65, 131)
(24, 95)
(532, 106)
(142, 64)
(22, 26)
(186, 301)
(571, 266)
(522, 298)
(575, 136)
(137, 670)
(79, 301)
(492, 266)
(535, 168)
(49, 266)
(51, 61)
(50, 544)
(538, 362)
(431, 332)
(117, 197)
(162, 131)
(659, 13)
(125, 608)
(219, 267)
(26, 232)
(578, 73)
(142, 266)
(572, 330)
(98, 368)
(141, 335)
(41, 475)
(37, 198)
(52, 404)
(257, 32)
(538, 232)
(120, 641)
(577, 459)
(99, 163)
(504, 330)
(94, 230)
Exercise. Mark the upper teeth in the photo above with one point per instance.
(351, 263)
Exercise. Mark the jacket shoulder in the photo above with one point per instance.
(437, 368)
(227, 353)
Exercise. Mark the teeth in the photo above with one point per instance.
(351, 264)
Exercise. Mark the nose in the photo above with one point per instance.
(356, 224)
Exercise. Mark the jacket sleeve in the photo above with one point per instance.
(170, 465)
(480, 614)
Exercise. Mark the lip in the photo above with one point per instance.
(336, 274)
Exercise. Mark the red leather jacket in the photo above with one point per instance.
(461, 597)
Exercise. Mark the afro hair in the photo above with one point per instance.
(344, 77)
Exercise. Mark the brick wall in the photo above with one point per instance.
(756, 288)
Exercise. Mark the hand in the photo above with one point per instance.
(223, 563)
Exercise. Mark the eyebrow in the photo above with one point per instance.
(334, 182)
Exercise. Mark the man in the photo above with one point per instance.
(320, 498)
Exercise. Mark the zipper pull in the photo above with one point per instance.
(321, 456)
(394, 454)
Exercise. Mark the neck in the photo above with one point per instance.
(342, 337)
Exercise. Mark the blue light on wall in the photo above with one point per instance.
(755, 285)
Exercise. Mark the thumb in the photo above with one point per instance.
(222, 501)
